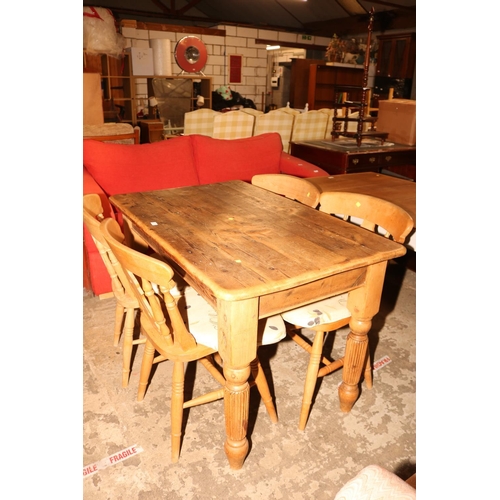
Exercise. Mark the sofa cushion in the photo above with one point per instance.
(124, 168)
(219, 160)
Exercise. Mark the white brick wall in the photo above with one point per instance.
(255, 78)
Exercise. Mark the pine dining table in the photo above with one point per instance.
(253, 254)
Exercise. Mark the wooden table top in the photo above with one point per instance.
(240, 241)
(350, 147)
(401, 192)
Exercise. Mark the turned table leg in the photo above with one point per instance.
(363, 303)
(236, 403)
(238, 322)
(354, 361)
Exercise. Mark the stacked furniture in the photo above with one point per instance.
(343, 100)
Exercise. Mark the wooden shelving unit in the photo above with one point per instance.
(118, 84)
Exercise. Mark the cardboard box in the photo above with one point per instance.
(142, 61)
(399, 118)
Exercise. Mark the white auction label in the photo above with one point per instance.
(117, 457)
(385, 360)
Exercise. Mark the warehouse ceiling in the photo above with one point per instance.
(310, 17)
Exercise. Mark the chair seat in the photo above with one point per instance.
(319, 313)
(375, 482)
(201, 320)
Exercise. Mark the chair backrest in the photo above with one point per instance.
(289, 186)
(374, 214)
(92, 217)
(233, 125)
(251, 111)
(329, 123)
(309, 126)
(276, 121)
(287, 109)
(161, 319)
(200, 121)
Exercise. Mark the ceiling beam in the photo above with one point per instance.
(130, 23)
(119, 12)
(384, 20)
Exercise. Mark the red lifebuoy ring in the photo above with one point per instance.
(191, 54)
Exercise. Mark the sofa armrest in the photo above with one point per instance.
(292, 165)
(90, 186)
(94, 268)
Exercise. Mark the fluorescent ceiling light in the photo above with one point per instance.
(273, 47)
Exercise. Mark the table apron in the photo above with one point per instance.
(285, 300)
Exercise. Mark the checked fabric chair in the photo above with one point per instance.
(276, 121)
(289, 186)
(126, 302)
(181, 329)
(331, 314)
(200, 121)
(309, 126)
(233, 125)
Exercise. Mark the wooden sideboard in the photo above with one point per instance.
(335, 159)
(312, 80)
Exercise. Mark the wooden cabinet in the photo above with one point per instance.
(395, 66)
(299, 81)
(151, 131)
(324, 78)
(311, 82)
(396, 55)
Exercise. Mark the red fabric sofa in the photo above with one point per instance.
(110, 169)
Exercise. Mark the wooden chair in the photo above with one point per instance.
(331, 314)
(181, 330)
(289, 186)
(126, 302)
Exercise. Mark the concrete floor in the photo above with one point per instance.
(283, 462)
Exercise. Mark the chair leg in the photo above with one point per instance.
(128, 338)
(304, 344)
(146, 366)
(311, 378)
(176, 409)
(263, 388)
(119, 313)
